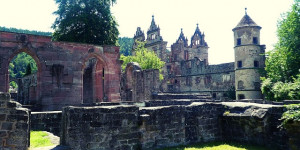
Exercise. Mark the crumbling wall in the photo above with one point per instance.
(46, 121)
(194, 76)
(60, 69)
(27, 89)
(14, 121)
(106, 127)
(130, 127)
(254, 124)
(137, 84)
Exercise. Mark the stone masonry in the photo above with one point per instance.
(68, 73)
(187, 68)
(131, 127)
(14, 123)
(138, 85)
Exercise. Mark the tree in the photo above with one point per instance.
(125, 44)
(19, 64)
(283, 63)
(282, 79)
(85, 21)
(145, 58)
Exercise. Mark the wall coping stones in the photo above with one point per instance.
(242, 104)
(47, 112)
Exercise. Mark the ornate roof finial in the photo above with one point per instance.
(246, 11)
(152, 16)
(181, 29)
(197, 24)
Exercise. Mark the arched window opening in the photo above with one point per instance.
(23, 79)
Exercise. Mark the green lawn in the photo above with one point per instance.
(217, 146)
(39, 139)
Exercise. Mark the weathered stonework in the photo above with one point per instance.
(46, 121)
(187, 69)
(14, 121)
(68, 73)
(138, 85)
(131, 127)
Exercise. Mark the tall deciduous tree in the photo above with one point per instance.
(145, 58)
(125, 44)
(85, 21)
(283, 63)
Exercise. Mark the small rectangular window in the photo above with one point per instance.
(256, 63)
(239, 64)
(238, 41)
(241, 96)
(255, 40)
(214, 96)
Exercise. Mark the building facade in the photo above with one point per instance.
(187, 68)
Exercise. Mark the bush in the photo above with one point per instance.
(292, 114)
(281, 91)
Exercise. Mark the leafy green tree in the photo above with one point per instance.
(85, 21)
(125, 44)
(283, 63)
(145, 58)
(282, 79)
(17, 67)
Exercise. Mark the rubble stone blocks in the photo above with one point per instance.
(14, 121)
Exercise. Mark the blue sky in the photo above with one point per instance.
(216, 18)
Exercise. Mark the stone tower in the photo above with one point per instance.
(249, 59)
(199, 47)
(138, 36)
(155, 41)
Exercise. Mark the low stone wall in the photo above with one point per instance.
(105, 127)
(14, 121)
(179, 125)
(131, 127)
(46, 121)
(254, 124)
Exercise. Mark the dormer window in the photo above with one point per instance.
(238, 41)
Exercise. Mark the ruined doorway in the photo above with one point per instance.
(23, 78)
(93, 81)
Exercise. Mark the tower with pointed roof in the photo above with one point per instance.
(155, 41)
(199, 47)
(138, 36)
(249, 59)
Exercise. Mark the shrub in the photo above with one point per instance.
(292, 114)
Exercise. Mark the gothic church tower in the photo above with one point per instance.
(249, 59)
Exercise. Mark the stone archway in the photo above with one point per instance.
(94, 80)
(33, 93)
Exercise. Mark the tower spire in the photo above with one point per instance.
(246, 11)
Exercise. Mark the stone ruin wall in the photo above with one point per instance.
(14, 124)
(61, 67)
(131, 127)
(138, 85)
(193, 76)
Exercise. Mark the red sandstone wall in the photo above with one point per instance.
(60, 68)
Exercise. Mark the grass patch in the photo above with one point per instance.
(39, 139)
(217, 146)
